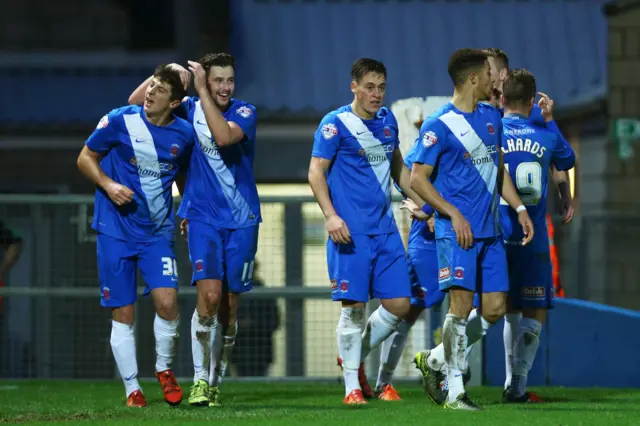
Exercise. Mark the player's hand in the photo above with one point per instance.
(118, 193)
(338, 231)
(199, 76)
(431, 223)
(546, 106)
(413, 209)
(184, 227)
(527, 227)
(567, 211)
(185, 75)
(464, 236)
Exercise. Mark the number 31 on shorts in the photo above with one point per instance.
(170, 267)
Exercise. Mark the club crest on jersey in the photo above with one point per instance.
(329, 130)
(444, 273)
(490, 128)
(458, 272)
(106, 293)
(387, 132)
(104, 122)
(429, 139)
(199, 265)
(175, 149)
(244, 111)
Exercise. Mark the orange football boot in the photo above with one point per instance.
(136, 399)
(170, 387)
(387, 393)
(355, 398)
(362, 379)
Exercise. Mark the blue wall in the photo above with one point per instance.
(296, 55)
(583, 344)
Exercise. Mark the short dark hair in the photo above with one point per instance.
(217, 60)
(464, 61)
(519, 88)
(500, 55)
(364, 66)
(166, 74)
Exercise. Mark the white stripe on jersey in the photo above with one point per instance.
(374, 149)
(239, 206)
(147, 159)
(463, 131)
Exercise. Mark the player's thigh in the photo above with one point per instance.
(530, 279)
(350, 269)
(158, 267)
(457, 267)
(423, 271)
(206, 251)
(117, 272)
(494, 274)
(239, 256)
(390, 278)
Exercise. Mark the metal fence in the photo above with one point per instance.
(53, 327)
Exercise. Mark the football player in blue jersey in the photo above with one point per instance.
(355, 155)
(134, 156)
(529, 152)
(221, 209)
(542, 115)
(460, 145)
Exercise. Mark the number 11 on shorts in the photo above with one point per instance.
(247, 272)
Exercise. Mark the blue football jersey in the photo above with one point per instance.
(463, 149)
(145, 158)
(419, 232)
(221, 187)
(529, 150)
(359, 177)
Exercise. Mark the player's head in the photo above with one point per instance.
(499, 63)
(519, 91)
(368, 84)
(221, 77)
(165, 91)
(469, 70)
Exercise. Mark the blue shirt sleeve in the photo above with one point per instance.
(326, 141)
(245, 117)
(563, 157)
(429, 145)
(105, 136)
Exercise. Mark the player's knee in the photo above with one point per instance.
(167, 308)
(492, 312)
(211, 300)
(124, 314)
(399, 307)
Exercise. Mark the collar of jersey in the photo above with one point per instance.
(512, 116)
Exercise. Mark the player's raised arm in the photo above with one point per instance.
(563, 159)
(137, 96)
(224, 132)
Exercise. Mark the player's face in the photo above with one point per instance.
(370, 92)
(158, 98)
(495, 73)
(485, 85)
(222, 85)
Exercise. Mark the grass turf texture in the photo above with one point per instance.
(263, 403)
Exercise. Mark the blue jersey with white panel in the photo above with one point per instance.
(463, 149)
(145, 158)
(529, 150)
(419, 233)
(221, 187)
(359, 177)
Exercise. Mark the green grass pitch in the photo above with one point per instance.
(279, 403)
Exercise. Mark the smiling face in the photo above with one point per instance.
(222, 85)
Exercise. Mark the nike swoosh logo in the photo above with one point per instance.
(140, 140)
(462, 134)
(360, 133)
(131, 377)
(200, 122)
